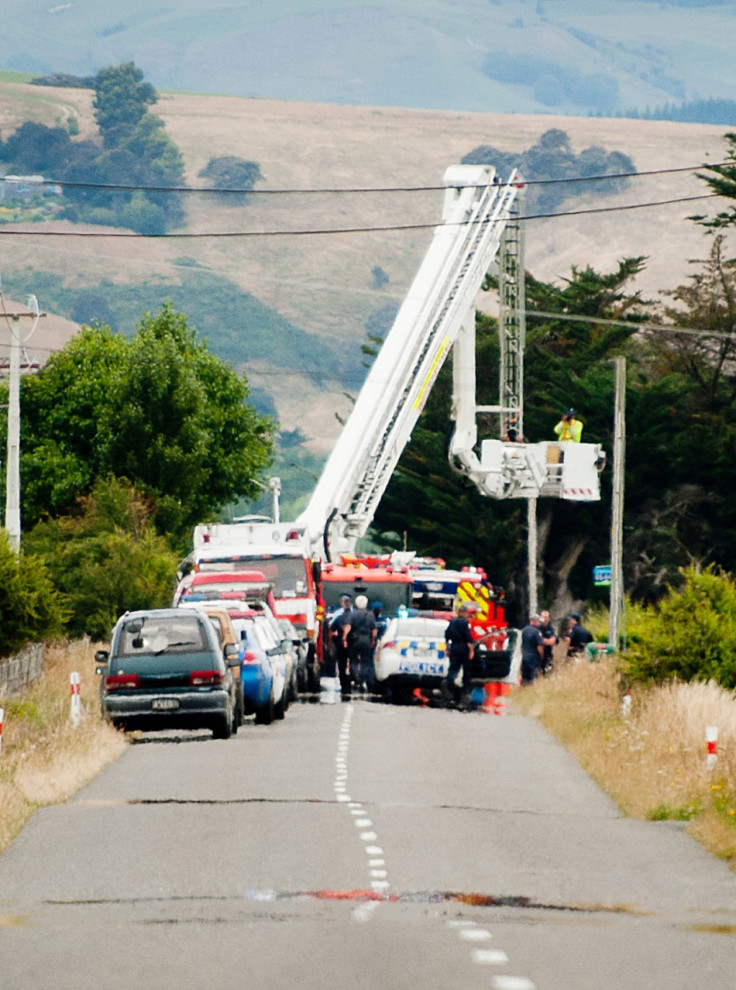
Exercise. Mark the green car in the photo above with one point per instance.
(166, 669)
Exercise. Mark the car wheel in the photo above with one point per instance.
(264, 715)
(223, 727)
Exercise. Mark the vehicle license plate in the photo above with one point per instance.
(416, 665)
(165, 704)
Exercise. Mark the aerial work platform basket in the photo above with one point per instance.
(526, 470)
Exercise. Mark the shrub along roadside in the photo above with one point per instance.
(44, 759)
(690, 635)
(652, 763)
(32, 609)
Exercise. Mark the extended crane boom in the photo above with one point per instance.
(476, 210)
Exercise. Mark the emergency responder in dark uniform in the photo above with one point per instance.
(577, 638)
(363, 628)
(460, 649)
(531, 650)
(339, 632)
(549, 640)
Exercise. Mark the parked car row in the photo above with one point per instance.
(208, 663)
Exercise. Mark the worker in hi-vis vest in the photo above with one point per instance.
(569, 428)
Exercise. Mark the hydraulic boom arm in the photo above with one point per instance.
(476, 211)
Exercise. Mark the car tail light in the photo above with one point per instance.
(198, 678)
(118, 682)
(250, 657)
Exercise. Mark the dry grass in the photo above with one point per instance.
(44, 758)
(653, 762)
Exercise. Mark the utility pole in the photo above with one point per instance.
(274, 486)
(532, 553)
(617, 503)
(12, 488)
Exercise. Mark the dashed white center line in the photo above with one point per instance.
(379, 882)
(490, 957)
(470, 931)
(474, 934)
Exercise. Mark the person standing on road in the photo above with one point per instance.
(381, 623)
(577, 638)
(339, 635)
(460, 648)
(532, 650)
(363, 629)
(549, 640)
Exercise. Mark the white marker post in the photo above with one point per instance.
(711, 742)
(2, 719)
(76, 699)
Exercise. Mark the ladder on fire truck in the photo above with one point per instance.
(480, 220)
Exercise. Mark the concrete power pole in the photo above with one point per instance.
(617, 504)
(532, 554)
(12, 490)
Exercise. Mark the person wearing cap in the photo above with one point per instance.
(569, 428)
(381, 623)
(339, 634)
(577, 637)
(532, 650)
(363, 629)
(460, 649)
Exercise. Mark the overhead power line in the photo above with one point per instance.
(644, 325)
(337, 190)
(310, 232)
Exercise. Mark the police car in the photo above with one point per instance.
(411, 656)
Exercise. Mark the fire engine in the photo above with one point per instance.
(480, 226)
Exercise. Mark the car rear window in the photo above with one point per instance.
(413, 628)
(146, 635)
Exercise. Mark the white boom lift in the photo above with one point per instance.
(480, 221)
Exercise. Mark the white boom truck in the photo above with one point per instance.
(480, 222)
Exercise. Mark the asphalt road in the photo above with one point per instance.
(359, 846)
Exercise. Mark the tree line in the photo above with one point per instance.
(132, 150)
(681, 435)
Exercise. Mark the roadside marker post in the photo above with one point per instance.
(76, 699)
(711, 742)
(2, 719)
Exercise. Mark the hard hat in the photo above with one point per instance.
(570, 412)
(361, 601)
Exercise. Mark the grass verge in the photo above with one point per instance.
(653, 761)
(44, 758)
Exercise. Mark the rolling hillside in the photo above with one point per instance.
(513, 56)
(292, 306)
